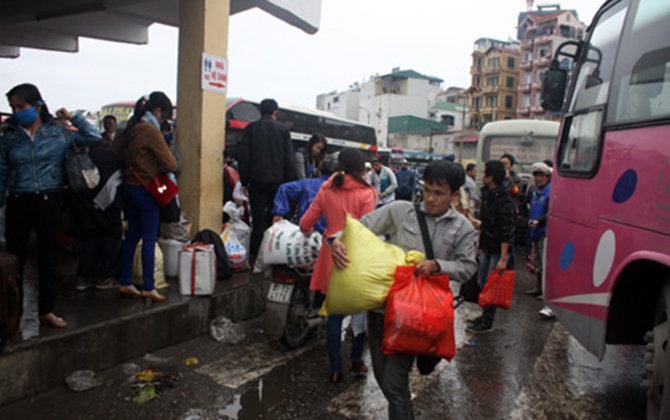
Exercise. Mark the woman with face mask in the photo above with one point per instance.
(146, 154)
(32, 151)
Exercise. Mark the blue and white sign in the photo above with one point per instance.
(214, 73)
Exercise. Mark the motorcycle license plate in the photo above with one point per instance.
(280, 293)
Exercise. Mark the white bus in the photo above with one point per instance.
(529, 141)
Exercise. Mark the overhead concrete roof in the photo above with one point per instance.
(57, 25)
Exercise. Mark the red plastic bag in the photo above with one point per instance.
(419, 315)
(498, 289)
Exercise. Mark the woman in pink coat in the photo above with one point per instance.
(347, 191)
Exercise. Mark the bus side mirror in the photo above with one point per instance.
(553, 87)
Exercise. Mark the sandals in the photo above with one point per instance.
(129, 291)
(52, 320)
(153, 295)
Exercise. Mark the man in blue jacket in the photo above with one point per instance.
(303, 192)
(539, 209)
(405, 178)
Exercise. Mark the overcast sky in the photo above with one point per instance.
(269, 58)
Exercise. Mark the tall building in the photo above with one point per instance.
(495, 79)
(541, 32)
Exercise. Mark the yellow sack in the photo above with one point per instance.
(365, 283)
(159, 272)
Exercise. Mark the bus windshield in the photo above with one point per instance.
(529, 141)
(120, 110)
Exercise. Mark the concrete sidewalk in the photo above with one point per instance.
(104, 330)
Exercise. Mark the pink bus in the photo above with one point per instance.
(607, 271)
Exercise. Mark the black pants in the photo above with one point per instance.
(261, 200)
(44, 212)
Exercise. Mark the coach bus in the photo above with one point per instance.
(120, 110)
(303, 123)
(607, 271)
(529, 141)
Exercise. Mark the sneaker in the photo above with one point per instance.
(82, 284)
(474, 321)
(546, 312)
(110, 283)
(479, 328)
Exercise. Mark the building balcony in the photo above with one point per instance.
(489, 89)
(489, 109)
(526, 65)
(542, 62)
(492, 69)
(537, 85)
(537, 109)
(527, 44)
(525, 88)
(544, 39)
(475, 69)
(523, 110)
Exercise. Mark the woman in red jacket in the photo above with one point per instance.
(345, 192)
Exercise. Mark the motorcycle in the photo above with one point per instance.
(291, 309)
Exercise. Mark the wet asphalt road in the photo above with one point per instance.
(527, 368)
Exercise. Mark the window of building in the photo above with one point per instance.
(494, 62)
(492, 81)
(510, 62)
(528, 56)
(491, 101)
(447, 120)
(476, 81)
(477, 103)
(509, 101)
(526, 101)
(540, 75)
(528, 78)
(538, 99)
(543, 52)
(510, 81)
(336, 99)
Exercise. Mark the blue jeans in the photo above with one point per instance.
(487, 263)
(143, 220)
(334, 342)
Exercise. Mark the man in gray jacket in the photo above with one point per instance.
(453, 240)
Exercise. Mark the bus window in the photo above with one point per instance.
(579, 147)
(642, 76)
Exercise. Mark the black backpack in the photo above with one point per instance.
(223, 265)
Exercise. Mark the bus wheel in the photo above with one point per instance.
(657, 359)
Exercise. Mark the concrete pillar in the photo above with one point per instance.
(203, 27)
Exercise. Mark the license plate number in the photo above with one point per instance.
(280, 293)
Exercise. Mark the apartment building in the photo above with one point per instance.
(495, 80)
(541, 32)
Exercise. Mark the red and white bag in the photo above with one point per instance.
(197, 269)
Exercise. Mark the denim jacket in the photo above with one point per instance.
(36, 166)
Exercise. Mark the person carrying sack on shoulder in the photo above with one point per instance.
(146, 155)
(453, 240)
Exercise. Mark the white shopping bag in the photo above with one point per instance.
(197, 269)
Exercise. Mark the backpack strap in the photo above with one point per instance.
(427, 244)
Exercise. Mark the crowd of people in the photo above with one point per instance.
(472, 230)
